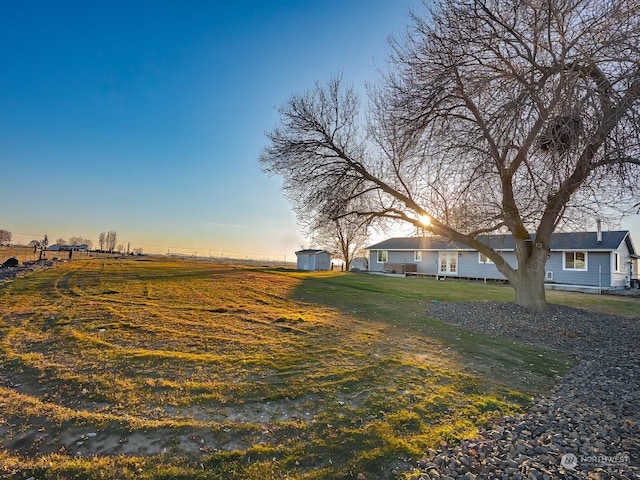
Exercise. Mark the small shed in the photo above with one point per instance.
(311, 259)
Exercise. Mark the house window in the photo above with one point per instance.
(617, 262)
(575, 260)
(484, 258)
(417, 256)
(383, 256)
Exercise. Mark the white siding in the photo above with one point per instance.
(620, 278)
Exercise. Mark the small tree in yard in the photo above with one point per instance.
(519, 117)
(344, 237)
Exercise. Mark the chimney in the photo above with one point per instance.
(599, 230)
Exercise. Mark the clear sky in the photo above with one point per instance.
(147, 117)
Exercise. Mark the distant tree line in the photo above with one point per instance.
(107, 241)
(75, 241)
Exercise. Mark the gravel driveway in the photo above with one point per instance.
(587, 427)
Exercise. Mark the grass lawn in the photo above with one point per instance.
(156, 368)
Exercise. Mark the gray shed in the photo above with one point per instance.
(311, 259)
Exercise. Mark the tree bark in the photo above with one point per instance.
(530, 291)
(528, 279)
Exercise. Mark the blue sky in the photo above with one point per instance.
(148, 117)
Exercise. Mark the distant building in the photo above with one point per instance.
(310, 259)
(65, 248)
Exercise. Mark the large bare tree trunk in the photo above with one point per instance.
(528, 279)
(530, 287)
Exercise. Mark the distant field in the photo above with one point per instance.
(26, 254)
(154, 368)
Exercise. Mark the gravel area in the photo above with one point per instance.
(587, 427)
(11, 273)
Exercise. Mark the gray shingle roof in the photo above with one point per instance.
(558, 241)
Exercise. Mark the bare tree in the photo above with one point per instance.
(5, 237)
(42, 244)
(102, 240)
(111, 241)
(60, 241)
(344, 237)
(518, 117)
(75, 241)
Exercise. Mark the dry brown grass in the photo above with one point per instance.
(155, 368)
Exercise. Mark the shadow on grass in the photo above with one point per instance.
(400, 304)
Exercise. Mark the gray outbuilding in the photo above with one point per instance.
(311, 259)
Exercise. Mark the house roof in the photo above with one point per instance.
(558, 241)
(311, 251)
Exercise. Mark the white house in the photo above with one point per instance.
(310, 259)
(601, 260)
